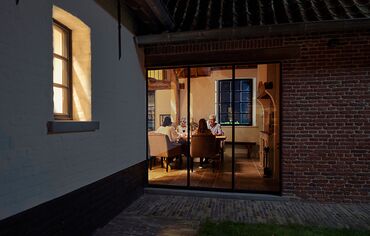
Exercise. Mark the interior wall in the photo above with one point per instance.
(203, 99)
(37, 167)
(162, 105)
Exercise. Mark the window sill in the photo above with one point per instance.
(64, 126)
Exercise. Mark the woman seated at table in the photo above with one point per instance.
(202, 128)
(168, 130)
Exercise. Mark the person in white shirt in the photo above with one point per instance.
(168, 130)
(182, 129)
(213, 126)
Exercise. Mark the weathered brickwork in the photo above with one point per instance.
(325, 122)
(326, 114)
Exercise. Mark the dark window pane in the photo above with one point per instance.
(245, 118)
(246, 85)
(225, 85)
(224, 108)
(237, 85)
(245, 96)
(237, 96)
(237, 106)
(224, 118)
(243, 107)
(225, 97)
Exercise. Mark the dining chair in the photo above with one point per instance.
(160, 146)
(204, 146)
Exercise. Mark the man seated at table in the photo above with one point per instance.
(213, 126)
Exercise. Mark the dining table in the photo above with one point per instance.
(221, 139)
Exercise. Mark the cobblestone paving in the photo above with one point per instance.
(155, 214)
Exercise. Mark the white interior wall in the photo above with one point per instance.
(202, 100)
(36, 167)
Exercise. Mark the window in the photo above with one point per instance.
(242, 103)
(151, 110)
(71, 75)
(157, 74)
(62, 84)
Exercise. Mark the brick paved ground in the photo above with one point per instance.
(156, 214)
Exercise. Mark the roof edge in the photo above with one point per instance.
(255, 31)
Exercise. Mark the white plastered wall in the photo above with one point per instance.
(36, 167)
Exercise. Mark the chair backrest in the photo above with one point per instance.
(159, 144)
(203, 145)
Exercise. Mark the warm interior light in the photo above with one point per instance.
(60, 71)
(60, 101)
(57, 41)
(156, 74)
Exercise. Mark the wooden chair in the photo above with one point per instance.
(160, 146)
(204, 146)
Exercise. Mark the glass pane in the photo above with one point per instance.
(256, 156)
(245, 96)
(151, 111)
(225, 86)
(224, 118)
(243, 107)
(237, 97)
(224, 107)
(245, 86)
(60, 72)
(237, 107)
(245, 119)
(167, 127)
(210, 156)
(225, 97)
(60, 101)
(60, 41)
(237, 85)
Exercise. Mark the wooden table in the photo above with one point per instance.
(221, 139)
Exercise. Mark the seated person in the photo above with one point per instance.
(213, 126)
(202, 128)
(182, 129)
(168, 130)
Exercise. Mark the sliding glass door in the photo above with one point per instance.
(239, 104)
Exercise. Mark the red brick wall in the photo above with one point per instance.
(325, 119)
(325, 133)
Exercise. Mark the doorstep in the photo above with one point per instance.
(215, 194)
